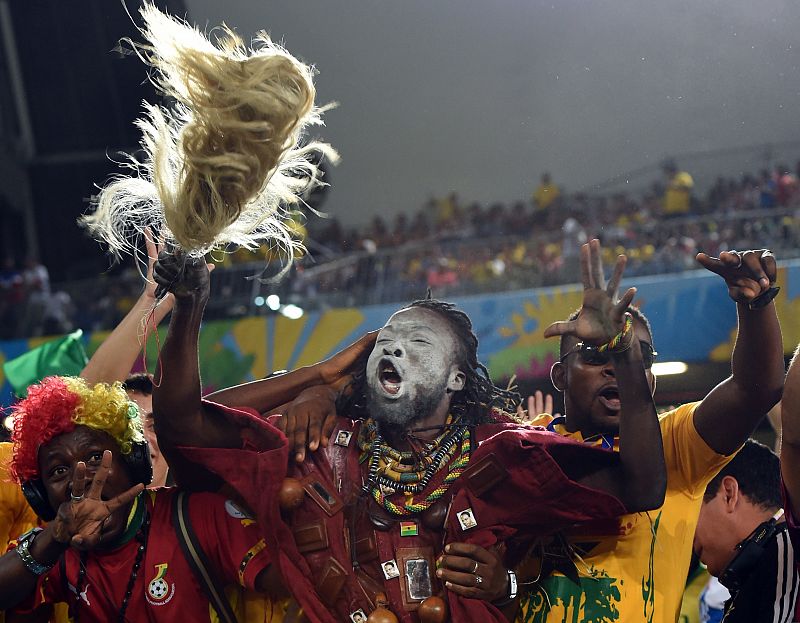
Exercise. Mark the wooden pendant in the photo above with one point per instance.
(433, 610)
(382, 614)
(291, 494)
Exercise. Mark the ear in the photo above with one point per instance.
(558, 376)
(730, 493)
(456, 380)
(653, 381)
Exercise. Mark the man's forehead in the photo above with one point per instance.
(83, 435)
(416, 318)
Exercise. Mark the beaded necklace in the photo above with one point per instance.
(141, 537)
(390, 472)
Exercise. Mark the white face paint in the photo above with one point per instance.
(411, 367)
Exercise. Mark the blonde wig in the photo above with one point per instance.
(224, 161)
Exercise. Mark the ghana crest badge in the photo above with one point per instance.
(159, 590)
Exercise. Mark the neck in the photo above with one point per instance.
(754, 516)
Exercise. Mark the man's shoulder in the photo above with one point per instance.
(672, 419)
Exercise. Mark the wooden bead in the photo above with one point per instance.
(291, 494)
(382, 615)
(433, 610)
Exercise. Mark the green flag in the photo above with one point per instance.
(64, 356)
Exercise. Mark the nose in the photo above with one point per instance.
(608, 370)
(396, 352)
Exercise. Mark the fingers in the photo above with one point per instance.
(596, 260)
(769, 265)
(327, 427)
(715, 265)
(461, 583)
(563, 327)
(622, 305)
(79, 480)
(751, 260)
(124, 498)
(586, 272)
(540, 403)
(100, 476)
(300, 434)
(476, 552)
(613, 285)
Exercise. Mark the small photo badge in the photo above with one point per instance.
(359, 616)
(390, 569)
(343, 438)
(466, 519)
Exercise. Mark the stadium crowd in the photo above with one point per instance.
(455, 249)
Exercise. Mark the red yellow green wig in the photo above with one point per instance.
(57, 405)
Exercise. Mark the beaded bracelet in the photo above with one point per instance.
(621, 341)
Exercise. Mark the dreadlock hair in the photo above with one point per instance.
(480, 401)
(634, 311)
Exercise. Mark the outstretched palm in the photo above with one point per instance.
(601, 315)
(80, 519)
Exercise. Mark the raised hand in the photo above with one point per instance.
(185, 277)
(538, 404)
(473, 571)
(79, 521)
(309, 418)
(602, 314)
(748, 274)
(153, 249)
(337, 368)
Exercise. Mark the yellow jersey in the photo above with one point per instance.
(678, 195)
(632, 568)
(16, 517)
(545, 195)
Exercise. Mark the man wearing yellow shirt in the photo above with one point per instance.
(678, 196)
(16, 517)
(634, 569)
(546, 193)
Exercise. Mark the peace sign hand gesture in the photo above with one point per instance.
(602, 315)
(79, 521)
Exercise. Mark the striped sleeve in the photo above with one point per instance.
(787, 581)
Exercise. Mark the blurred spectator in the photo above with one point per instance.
(546, 193)
(458, 250)
(678, 195)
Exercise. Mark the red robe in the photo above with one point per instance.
(523, 494)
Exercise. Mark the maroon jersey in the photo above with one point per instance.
(165, 588)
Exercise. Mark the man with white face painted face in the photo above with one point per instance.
(412, 371)
(431, 470)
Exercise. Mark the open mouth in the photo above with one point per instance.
(609, 397)
(389, 377)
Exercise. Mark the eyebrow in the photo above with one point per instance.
(414, 327)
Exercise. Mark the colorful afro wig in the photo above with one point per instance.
(57, 405)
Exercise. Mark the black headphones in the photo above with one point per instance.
(748, 552)
(140, 468)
